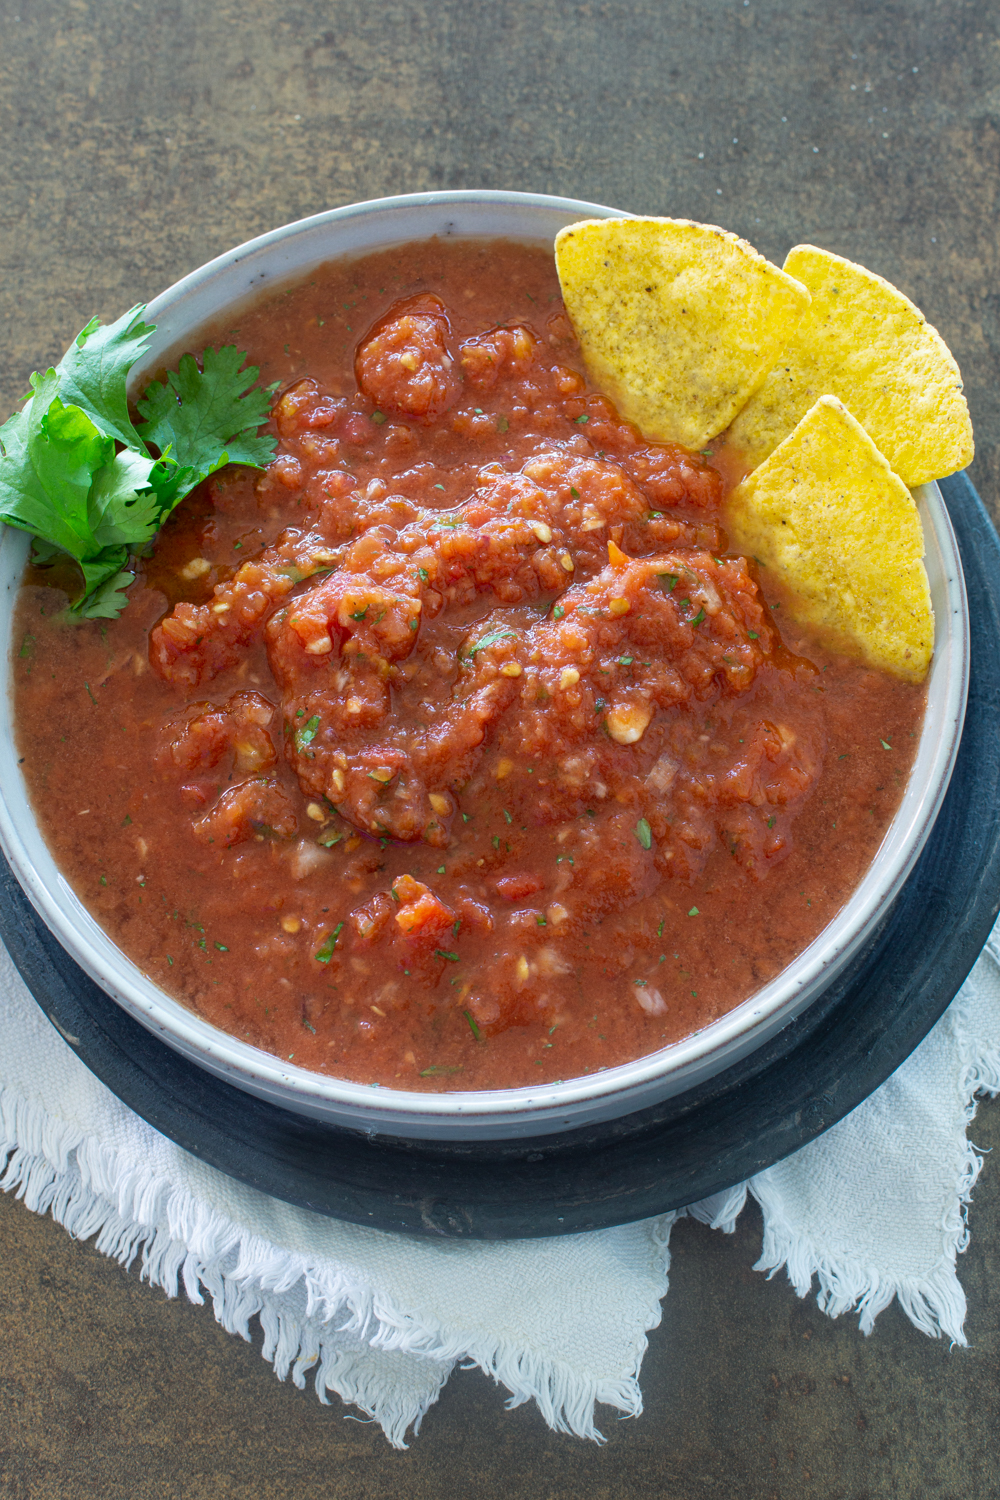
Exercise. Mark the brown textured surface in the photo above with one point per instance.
(138, 141)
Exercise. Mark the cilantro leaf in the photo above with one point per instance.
(173, 481)
(305, 735)
(65, 481)
(121, 507)
(491, 638)
(67, 450)
(106, 580)
(92, 373)
(202, 419)
(51, 453)
(326, 952)
(473, 1027)
(43, 552)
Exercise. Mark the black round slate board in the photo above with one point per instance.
(756, 1112)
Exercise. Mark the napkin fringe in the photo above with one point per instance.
(95, 1193)
(54, 1168)
(374, 1391)
(935, 1302)
(565, 1400)
(244, 1276)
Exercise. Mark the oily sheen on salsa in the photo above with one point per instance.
(455, 749)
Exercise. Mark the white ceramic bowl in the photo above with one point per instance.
(287, 254)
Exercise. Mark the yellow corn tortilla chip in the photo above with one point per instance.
(840, 531)
(678, 322)
(863, 341)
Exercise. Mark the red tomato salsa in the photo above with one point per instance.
(455, 749)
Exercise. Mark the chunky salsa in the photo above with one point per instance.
(455, 749)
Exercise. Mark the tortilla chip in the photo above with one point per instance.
(863, 341)
(839, 531)
(678, 322)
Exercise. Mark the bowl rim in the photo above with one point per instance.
(775, 1004)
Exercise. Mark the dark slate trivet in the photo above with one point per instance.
(788, 1092)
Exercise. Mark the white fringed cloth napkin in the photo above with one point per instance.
(874, 1209)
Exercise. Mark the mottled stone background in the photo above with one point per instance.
(139, 140)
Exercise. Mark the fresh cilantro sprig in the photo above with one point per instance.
(77, 473)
